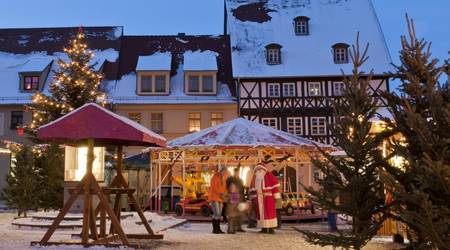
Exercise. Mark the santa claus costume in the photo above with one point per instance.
(264, 190)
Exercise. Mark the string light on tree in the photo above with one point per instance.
(75, 83)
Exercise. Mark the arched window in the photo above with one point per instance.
(301, 25)
(273, 53)
(340, 53)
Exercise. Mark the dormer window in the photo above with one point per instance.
(340, 53)
(153, 74)
(30, 83)
(200, 72)
(33, 74)
(301, 25)
(273, 54)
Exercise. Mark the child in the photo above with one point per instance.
(232, 198)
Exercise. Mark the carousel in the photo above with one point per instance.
(187, 164)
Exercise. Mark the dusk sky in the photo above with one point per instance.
(140, 17)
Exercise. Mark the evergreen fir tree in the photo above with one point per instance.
(75, 83)
(50, 164)
(421, 186)
(22, 181)
(351, 185)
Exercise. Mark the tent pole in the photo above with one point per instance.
(284, 178)
(159, 187)
(184, 177)
(297, 180)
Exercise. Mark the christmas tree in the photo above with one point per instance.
(22, 181)
(75, 84)
(420, 185)
(351, 185)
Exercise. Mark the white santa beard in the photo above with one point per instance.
(259, 185)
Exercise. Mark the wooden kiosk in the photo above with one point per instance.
(92, 125)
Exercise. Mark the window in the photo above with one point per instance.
(273, 90)
(301, 25)
(314, 89)
(153, 83)
(294, 125)
(318, 126)
(216, 118)
(200, 83)
(146, 84)
(16, 119)
(160, 83)
(156, 122)
(135, 116)
(289, 89)
(194, 84)
(340, 53)
(194, 122)
(338, 87)
(207, 84)
(31, 82)
(270, 122)
(273, 53)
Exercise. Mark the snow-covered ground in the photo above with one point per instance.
(187, 236)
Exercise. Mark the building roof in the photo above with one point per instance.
(32, 50)
(253, 24)
(157, 61)
(186, 52)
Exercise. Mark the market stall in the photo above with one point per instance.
(79, 129)
(240, 143)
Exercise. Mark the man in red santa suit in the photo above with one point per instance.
(263, 192)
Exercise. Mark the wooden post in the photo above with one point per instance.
(184, 177)
(87, 193)
(159, 187)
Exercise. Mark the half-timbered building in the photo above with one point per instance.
(288, 57)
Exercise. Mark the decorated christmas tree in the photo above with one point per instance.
(420, 184)
(75, 84)
(22, 180)
(350, 184)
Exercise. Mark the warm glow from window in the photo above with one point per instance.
(76, 163)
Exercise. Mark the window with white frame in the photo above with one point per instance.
(270, 122)
(273, 90)
(200, 83)
(338, 87)
(216, 118)
(301, 25)
(318, 125)
(156, 122)
(295, 125)
(314, 89)
(194, 122)
(153, 83)
(273, 56)
(288, 89)
(340, 53)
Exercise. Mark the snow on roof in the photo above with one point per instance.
(200, 60)
(35, 65)
(242, 132)
(12, 64)
(123, 119)
(254, 24)
(125, 92)
(157, 61)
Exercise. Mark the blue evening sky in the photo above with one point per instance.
(432, 17)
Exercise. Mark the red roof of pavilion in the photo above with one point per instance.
(92, 121)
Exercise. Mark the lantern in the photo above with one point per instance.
(20, 131)
(76, 162)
